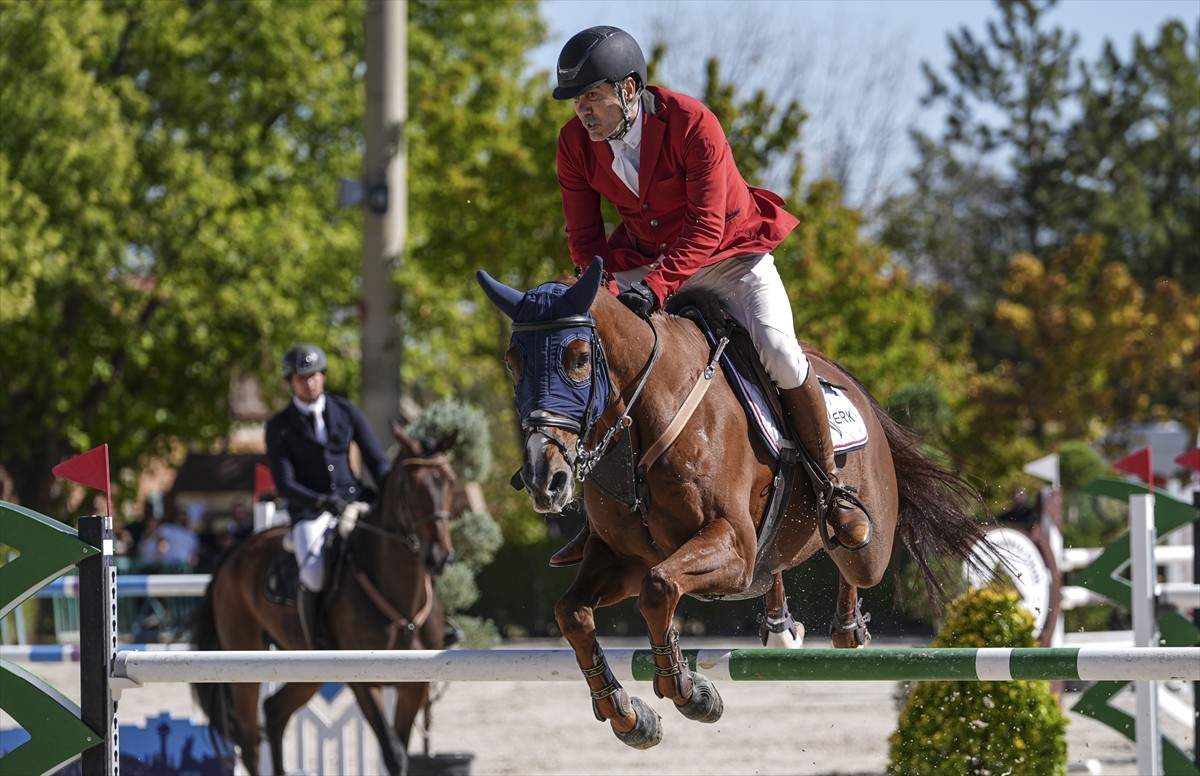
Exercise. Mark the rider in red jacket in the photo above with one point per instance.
(687, 218)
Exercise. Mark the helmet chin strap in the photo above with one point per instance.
(626, 105)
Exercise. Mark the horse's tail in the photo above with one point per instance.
(216, 700)
(935, 519)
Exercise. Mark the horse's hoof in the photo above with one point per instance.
(705, 705)
(792, 638)
(647, 731)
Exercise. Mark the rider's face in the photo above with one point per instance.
(308, 388)
(600, 111)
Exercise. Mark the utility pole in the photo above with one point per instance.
(385, 215)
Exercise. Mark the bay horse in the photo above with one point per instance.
(380, 597)
(682, 506)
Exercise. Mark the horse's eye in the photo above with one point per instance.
(577, 361)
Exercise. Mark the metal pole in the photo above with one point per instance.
(1142, 538)
(98, 644)
(386, 210)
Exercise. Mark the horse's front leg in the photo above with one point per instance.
(604, 580)
(395, 755)
(713, 561)
(849, 627)
(776, 626)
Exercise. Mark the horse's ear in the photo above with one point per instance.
(580, 296)
(410, 447)
(507, 299)
(447, 442)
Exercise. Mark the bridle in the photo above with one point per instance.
(408, 528)
(584, 458)
(398, 624)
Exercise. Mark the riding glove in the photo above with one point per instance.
(333, 504)
(639, 298)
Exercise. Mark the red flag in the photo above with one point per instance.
(263, 481)
(1190, 459)
(1138, 465)
(90, 469)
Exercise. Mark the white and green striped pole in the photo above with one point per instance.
(136, 668)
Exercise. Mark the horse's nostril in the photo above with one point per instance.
(558, 482)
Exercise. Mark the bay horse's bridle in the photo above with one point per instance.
(398, 623)
(408, 529)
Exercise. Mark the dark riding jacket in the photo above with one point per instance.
(307, 471)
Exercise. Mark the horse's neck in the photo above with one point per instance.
(389, 564)
(629, 347)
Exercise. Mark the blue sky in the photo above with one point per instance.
(829, 48)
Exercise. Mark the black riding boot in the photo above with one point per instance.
(572, 553)
(308, 604)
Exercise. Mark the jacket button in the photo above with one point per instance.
(662, 246)
(645, 206)
(653, 222)
(330, 467)
(353, 489)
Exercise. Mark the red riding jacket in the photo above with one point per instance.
(693, 208)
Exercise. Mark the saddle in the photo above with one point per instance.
(282, 583)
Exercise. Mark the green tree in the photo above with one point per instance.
(1133, 157)
(985, 190)
(1095, 346)
(168, 174)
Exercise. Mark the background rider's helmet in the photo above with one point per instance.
(303, 360)
(595, 56)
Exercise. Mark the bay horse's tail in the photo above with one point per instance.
(935, 519)
(216, 700)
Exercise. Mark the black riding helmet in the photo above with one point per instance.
(602, 55)
(303, 360)
(595, 56)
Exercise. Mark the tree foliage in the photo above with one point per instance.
(1053, 221)
(168, 174)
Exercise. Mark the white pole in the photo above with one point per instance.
(1143, 573)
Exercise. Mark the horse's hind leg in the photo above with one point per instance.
(776, 627)
(849, 627)
(278, 709)
(395, 754)
(245, 710)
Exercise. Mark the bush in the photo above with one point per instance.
(472, 454)
(476, 535)
(981, 728)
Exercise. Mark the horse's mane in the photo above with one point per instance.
(705, 302)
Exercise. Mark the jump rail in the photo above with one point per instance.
(132, 669)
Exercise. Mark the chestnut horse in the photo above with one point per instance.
(382, 598)
(599, 388)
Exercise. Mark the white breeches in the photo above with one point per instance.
(308, 539)
(752, 293)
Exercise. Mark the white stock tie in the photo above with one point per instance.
(319, 427)
(625, 165)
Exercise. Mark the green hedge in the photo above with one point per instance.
(981, 728)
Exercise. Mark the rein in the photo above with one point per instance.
(585, 459)
(398, 623)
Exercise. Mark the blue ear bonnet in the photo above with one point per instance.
(544, 383)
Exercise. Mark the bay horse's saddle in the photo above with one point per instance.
(283, 575)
